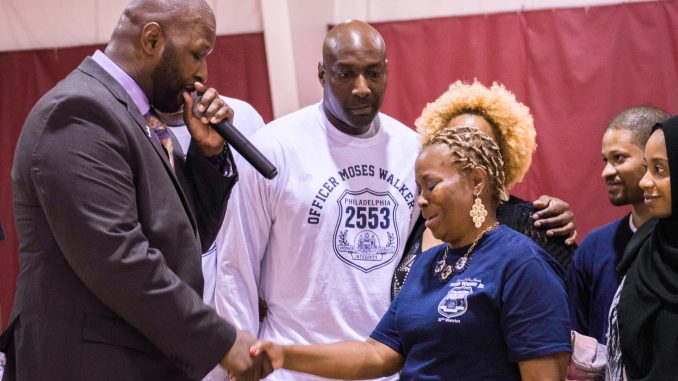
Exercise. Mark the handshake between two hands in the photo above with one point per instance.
(250, 360)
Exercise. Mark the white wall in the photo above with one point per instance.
(294, 29)
(35, 24)
(391, 10)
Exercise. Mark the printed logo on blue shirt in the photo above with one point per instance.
(366, 236)
(455, 302)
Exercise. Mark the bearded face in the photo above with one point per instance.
(168, 84)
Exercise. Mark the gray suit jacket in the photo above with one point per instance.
(110, 278)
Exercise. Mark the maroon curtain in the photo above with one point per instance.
(575, 69)
(237, 67)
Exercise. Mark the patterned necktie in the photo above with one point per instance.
(163, 134)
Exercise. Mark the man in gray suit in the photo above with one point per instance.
(112, 219)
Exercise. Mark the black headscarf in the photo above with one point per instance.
(648, 305)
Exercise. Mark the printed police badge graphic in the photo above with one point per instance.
(455, 303)
(366, 236)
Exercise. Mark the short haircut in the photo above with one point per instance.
(639, 120)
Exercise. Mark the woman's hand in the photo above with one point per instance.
(353, 360)
(274, 352)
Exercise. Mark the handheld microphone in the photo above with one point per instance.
(244, 147)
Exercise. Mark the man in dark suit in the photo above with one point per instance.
(112, 220)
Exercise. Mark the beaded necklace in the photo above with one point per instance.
(444, 270)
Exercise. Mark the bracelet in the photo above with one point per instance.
(220, 158)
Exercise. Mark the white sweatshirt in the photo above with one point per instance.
(321, 241)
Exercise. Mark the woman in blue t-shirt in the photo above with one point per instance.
(485, 305)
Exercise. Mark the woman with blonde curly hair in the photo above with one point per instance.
(485, 305)
(497, 113)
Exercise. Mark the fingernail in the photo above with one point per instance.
(253, 350)
(201, 108)
(203, 120)
(213, 120)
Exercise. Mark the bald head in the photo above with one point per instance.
(162, 45)
(350, 36)
(353, 76)
(167, 13)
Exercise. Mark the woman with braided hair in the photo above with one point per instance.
(509, 123)
(485, 304)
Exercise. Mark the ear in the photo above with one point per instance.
(321, 73)
(479, 179)
(152, 38)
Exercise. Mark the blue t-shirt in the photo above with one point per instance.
(592, 279)
(508, 306)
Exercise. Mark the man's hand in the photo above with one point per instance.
(241, 365)
(214, 110)
(556, 216)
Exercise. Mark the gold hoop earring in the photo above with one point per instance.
(478, 211)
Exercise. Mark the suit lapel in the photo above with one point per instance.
(91, 68)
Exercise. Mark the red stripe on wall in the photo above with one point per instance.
(575, 68)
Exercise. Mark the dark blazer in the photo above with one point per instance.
(110, 281)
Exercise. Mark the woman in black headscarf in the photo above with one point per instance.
(647, 311)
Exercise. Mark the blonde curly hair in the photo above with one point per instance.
(510, 119)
